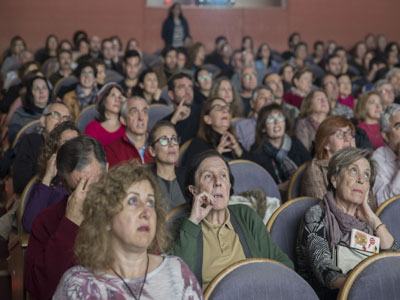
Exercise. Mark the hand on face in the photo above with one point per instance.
(181, 113)
(51, 170)
(73, 210)
(202, 205)
(365, 213)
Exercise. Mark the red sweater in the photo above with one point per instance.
(122, 150)
(293, 99)
(50, 250)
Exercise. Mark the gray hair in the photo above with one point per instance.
(387, 114)
(390, 74)
(344, 158)
(262, 87)
(124, 104)
(378, 85)
(47, 108)
(77, 153)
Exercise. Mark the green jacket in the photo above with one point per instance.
(254, 237)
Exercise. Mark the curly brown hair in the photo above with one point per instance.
(236, 104)
(103, 201)
(51, 145)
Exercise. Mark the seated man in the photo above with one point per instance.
(26, 155)
(186, 115)
(331, 88)
(134, 116)
(246, 128)
(168, 68)
(132, 64)
(80, 161)
(387, 182)
(248, 81)
(274, 81)
(64, 58)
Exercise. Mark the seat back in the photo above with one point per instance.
(63, 83)
(28, 128)
(87, 115)
(285, 221)
(249, 175)
(389, 213)
(295, 182)
(258, 278)
(182, 151)
(178, 212)
(156, 113)
(26, 194)
(113, 76)
(376, 277)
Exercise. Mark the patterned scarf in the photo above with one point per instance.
(281, 156)
(338, 224)
(84, 100)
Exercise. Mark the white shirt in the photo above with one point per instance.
(387, 182)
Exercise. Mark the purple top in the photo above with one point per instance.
(42, 196)
(172, 279)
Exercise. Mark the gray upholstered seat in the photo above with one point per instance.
(389, 213)
(284, 223)
(259, 279)
(376, 278)
(295, 182)
(157, 112)
(249, 175)
(87, 115)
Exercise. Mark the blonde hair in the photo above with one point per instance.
(103, 201)
(236, 104)
(360, 109)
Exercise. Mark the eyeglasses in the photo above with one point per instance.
(218, 107)
(164, 140)
(248, 76)
(204, 77)
(57, 116)
(342, 134)
(273, 119)
(87, 73)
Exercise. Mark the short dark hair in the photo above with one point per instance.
(166, 50)
(220, 38)
(61, 51)
(194, 165)
(130, 54)
(171, 81)
(76, 154)
(83, 65)
(152, 134)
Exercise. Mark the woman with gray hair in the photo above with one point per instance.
(351, 174)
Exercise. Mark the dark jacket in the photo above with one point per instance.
(298, 154)
(168, 30)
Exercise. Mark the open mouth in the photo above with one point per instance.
(144, 229)
(277, 129)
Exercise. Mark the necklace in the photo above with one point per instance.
(127, 286)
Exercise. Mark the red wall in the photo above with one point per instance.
(345, 21)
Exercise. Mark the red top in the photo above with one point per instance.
(122, 150)
(374, 133)
(95, 130)
(293, 99)
(50, 250)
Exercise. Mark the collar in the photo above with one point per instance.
(210, 227)
(390, 156)
(127, 139)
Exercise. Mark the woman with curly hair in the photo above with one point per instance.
(48, 190)
(119, 240)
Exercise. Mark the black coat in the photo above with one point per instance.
(168, 30)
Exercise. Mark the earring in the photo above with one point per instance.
(108, 228)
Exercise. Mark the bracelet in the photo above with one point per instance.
(377, 227)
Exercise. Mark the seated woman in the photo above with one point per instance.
(314, 109)
(147, 87)
(215, 132)
(275, 150)
(202, 85)
(367, 112)
(36, 99)
(107, 128)
(163, 144)
(85, 93)
(196, 57)
(345, 86)
(264, 59)
(212, 223)
(302, 83)
(49, 189)
(351, 174)
(223, 88)
(334, 133)
(118, 241)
